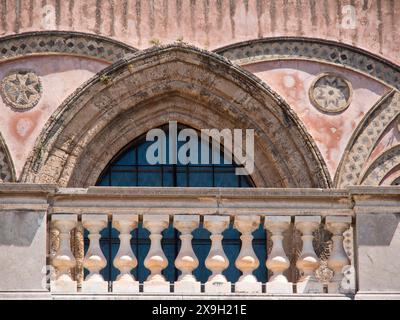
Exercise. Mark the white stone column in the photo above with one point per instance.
(156, 260)
(64, 260)
(338, 259)
(308, 261)
(94, 259)
(216, 260)
(125, 259)
(247, 260)
(186, 261)
(277, 260)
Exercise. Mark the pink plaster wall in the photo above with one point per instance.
(60, 76)
(212, 23)
(331, 132)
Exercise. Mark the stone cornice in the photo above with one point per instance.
(263, 201)
(381, 200)
(227, 201)
(25, 196)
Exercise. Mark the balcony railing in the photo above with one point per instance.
(298, 222)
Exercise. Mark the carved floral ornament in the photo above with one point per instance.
(330, 93)
(21, 89)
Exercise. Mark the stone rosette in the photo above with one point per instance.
(21, 89)
(330, 93)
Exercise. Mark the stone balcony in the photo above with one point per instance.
(42, 252)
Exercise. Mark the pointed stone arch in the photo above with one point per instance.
(175, 82)
(365, 138)
(379, 169)
(7, 172)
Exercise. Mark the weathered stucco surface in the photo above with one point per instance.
(331, 132)
(212, 24)
(60, 76)
(64, 61)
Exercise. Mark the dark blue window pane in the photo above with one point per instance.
(140, 245)
(201, 246)
(168, 176)
(244, 182)
(260, 248)
(127, 158)
(123, 178)
(200, 176)
(131, 168)
(150, 176)
(141, 151)
(225, 177)
(170, 246)
(105, 180)
(181, 177)
(231, 247)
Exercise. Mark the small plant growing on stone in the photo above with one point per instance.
(130, 68)
(105, 79)
(155, 42)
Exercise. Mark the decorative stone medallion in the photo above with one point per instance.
(330, 93)
(21, 89)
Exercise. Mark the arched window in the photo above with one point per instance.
(131, 168)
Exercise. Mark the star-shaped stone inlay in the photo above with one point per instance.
(21, 89)
(330, 93)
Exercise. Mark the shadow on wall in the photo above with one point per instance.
(377, 230)
(19, 228)
(57, 64)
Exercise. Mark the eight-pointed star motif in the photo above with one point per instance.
(330, 93)
(21, 89)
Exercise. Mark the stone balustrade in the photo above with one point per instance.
(217, 261)
(52, 242)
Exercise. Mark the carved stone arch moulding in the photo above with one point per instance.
(175, 82)
(378, 170)
(365, 138)
(60, 42)
(392, 178)
(7, 172)
(319, 50)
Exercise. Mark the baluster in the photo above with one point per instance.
(186, 261)
(308, 261)
(247, 260)
(125, 259)
(64, 260)
(277, 260)
(94, 259)
(338, 258)
(156, 260)
(216, 260)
